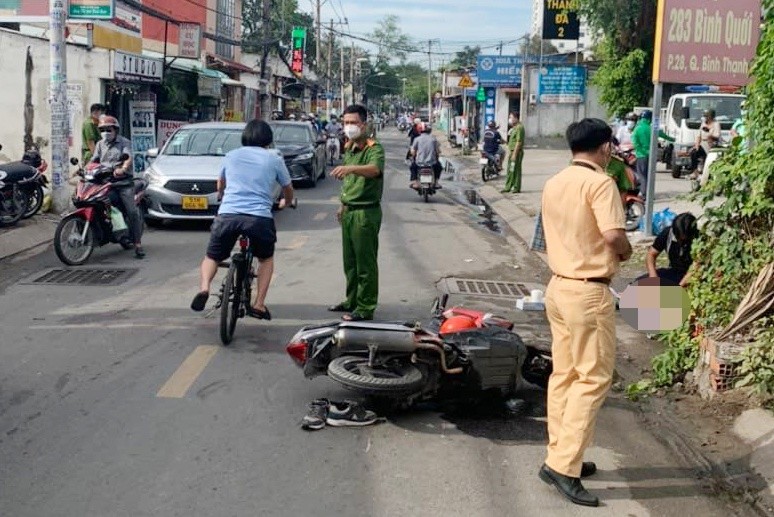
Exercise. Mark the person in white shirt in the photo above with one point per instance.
(709, 137)
(624, 134)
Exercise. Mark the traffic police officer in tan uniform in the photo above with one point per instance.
(584, 224)
(360, 215)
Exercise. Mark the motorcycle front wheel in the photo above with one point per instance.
(34, 202)
(354, 373)
(485, 173)
(70, 244)
(635, 211)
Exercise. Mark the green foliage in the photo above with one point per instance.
(392, 42)
(623, 81)
(465, 58)
(736, 237)
(757, 368)
(534, 44)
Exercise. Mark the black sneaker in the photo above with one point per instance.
(315, 418)
(349, 414)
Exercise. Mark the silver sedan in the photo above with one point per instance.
(182, 175)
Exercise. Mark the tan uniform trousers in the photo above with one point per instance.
(582, 318)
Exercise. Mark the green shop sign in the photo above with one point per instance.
(91, 9)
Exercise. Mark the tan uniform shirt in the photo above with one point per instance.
(579, 204)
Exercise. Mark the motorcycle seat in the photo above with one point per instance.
(17, 171)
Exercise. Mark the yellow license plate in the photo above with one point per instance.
(195, 203)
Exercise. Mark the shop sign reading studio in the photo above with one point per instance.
(137, 69)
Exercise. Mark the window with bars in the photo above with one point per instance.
(225, 24)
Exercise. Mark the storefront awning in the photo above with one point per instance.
(227, 64)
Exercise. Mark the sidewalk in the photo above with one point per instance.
(27, 234)
(744, 467)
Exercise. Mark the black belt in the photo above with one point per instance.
(605, 281)
(361, 207)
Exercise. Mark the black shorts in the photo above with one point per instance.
(226, 229)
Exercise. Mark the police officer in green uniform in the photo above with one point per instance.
(360, 215)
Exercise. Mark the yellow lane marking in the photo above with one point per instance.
(296, 243)
(193, 366)
(320, 216)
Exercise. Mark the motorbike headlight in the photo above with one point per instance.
(303, 157)
(154, 177)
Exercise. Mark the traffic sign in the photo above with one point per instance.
(465, 81)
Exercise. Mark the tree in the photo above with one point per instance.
(533, 44)
(628, 28)
(465, 58)
(391, 42)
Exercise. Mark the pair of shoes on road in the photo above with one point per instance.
(569, 487)
(324, 412)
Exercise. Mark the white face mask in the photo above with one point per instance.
(630, 124)
(106, 135)
(352, 131)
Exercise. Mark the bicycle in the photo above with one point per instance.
(236, 291)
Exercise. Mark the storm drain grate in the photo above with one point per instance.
(85, 277)
(493, 288)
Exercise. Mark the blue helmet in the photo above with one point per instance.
(647, 115)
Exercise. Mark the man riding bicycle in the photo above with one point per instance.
(246, 181)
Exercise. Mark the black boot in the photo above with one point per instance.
(568, 487)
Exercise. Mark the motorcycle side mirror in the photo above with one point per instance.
(74, 161)
(685, 112)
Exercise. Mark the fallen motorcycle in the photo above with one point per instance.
(461, 352)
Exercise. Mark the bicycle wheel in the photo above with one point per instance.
(230, 302)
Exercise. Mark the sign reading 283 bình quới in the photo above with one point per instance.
(706, 42)
(560, 19)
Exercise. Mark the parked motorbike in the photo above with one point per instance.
(705, 165)
(18, 183)
(489, 168)
(36, 185)
(426, 179)
(95, 221)
(461, 352)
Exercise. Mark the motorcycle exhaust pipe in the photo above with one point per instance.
(383, 340)
(439, 350)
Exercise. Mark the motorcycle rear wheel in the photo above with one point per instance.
(34, 202)
(65, 240)
(354, 373)
(635, 211)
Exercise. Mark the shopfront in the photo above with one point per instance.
(132, 97)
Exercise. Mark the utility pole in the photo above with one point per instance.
(501, 48)
(352, 73)
(59, 119)
(318, 39)
(328, 91)
(265, 36)
(341, 77)
(429, 80)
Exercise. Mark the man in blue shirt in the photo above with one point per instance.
(246, 183)
(492, 144)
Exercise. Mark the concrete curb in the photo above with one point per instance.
(522, 223)
(27, 234)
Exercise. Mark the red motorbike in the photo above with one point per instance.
(634, 204)
(95, 221)
(461, 352)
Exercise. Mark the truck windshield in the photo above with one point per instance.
(727, 108)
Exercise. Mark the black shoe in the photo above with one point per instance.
(199, 301)
(342, 307)
(315, 418)
(356, 316)
(139, 253)
(569, 488)
(261, 315)
(349, 414)
(588, 469)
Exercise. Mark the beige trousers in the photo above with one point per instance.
(582, 318)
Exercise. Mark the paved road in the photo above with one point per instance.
(118, 401)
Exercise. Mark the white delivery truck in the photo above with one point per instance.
(683, 119)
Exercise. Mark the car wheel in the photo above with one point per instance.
(313, 179)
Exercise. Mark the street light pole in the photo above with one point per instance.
(429, 80)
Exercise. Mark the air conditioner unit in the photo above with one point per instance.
(533, 98)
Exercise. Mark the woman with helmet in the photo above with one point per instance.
(109, 151)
